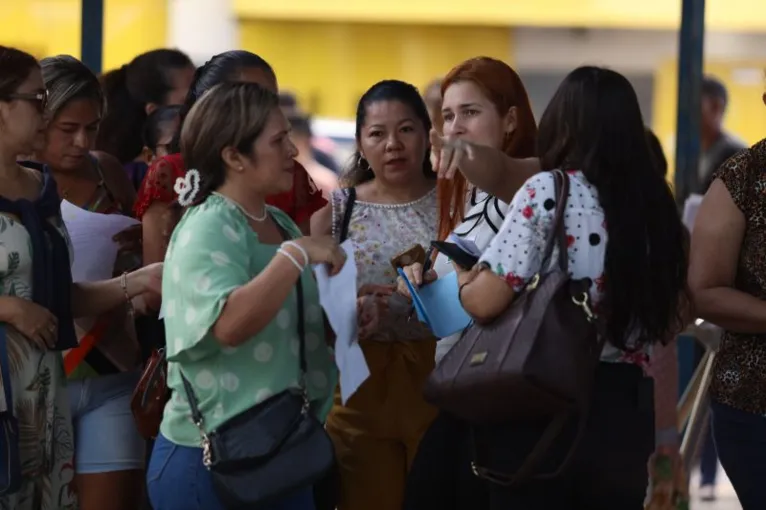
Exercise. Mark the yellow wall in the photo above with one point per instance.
(52, 27)
(330, 65)
(745, 115)
(721, 14)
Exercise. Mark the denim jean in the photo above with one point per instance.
(708, 458)
(177, 480)
(740, 438)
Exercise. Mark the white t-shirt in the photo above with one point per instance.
(485, 214)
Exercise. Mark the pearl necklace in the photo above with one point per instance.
(258, 219)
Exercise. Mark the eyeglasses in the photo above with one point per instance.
(40, 98)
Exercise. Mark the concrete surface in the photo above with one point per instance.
(727, 498)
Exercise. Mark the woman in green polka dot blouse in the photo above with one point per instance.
(229, 283)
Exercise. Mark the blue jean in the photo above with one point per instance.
(740, 438)
(708, 458)
(106, 437)
(177, 480)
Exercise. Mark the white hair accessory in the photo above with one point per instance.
(187, 188)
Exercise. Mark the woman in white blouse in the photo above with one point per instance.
(624, 234)
(484, 102)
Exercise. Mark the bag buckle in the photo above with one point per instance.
(582, 302)
(306, 407)
(207, 453)
(207, 450)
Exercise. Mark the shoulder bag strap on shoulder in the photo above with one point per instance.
(558, 234)
(191, 397)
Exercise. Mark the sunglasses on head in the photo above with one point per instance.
(39, 98)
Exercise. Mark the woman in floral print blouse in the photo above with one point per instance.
(624, 234)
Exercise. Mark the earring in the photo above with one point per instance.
(362, 163)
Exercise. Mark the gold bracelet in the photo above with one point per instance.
(128, 300)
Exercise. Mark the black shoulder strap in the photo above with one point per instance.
(350, 201)
(193, 403)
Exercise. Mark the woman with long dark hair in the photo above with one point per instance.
(38, 299)
(624, 235)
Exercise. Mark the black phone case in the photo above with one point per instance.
(455, 254)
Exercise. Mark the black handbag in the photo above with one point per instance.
(10, 472)
(271, 450)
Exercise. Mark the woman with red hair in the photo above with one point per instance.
(485, 103)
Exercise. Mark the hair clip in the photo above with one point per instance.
(187, 187)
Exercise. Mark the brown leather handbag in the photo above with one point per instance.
(151, 395)
(537, 360)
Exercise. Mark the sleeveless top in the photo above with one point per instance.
(380, 232)
(739, 371)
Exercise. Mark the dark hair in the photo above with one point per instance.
(66, 79)
(655, 147)
(386, 90)
(300, 124)
(713, 87)
(593, 123)
(15, 66)
(222, 67)
(231, 114)
(288, 100)
(156, 122)
(148, 78)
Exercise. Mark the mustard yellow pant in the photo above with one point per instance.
(377, 432)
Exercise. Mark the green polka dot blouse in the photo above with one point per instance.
(212, 252)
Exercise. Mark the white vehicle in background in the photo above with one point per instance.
(335, 137)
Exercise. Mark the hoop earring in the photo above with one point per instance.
(362, 163)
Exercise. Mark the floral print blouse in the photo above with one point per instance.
(379, 233)
(516, 252)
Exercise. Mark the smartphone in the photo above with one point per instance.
(410, 256)
(455, 254)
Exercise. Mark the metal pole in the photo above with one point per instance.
(92, 34)
(691, 44)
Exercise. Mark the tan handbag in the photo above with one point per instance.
(151, 395)
(537, 360)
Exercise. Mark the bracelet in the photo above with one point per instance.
(666, 436)
(287, 254)
(124, 287)
(300, 249)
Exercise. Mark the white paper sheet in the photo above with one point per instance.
(337, 295)
(95, 252)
